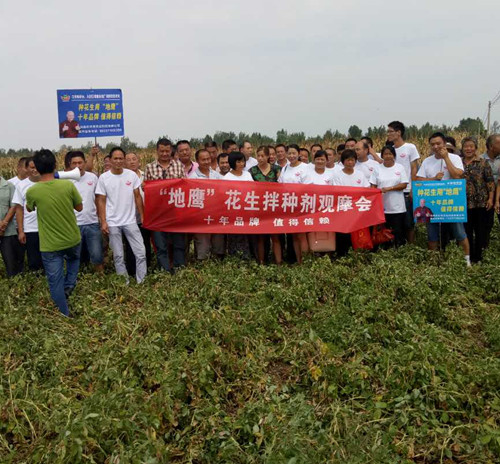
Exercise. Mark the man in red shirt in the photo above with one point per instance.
(69, 128)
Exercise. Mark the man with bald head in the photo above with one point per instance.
(492, 157)
(70, 128)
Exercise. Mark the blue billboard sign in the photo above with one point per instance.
(90, 113)
(439, 201)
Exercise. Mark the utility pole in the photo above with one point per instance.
(489, 117)
(491, 103)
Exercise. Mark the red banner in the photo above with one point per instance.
(233, 207)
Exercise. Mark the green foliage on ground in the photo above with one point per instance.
(387, 357)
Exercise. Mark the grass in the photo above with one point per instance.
(387, 357)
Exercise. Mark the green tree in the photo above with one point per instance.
(471, 126)
(128, 145)
(282, 136)
(355, 132)
(375, 132)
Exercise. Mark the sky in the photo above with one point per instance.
(190, 68)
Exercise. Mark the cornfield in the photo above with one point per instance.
(8, 165)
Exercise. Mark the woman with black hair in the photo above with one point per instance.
(391, 178)
(480, 191)
(295, 172)
(319, 174)
(238, 243)
(237, 163)
(264, 171)
(348, 176)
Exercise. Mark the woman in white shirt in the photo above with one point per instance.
(238, 243)
(348, 176)
(319, 174)
(295, 172)
(391, 178)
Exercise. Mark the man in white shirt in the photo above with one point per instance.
(207, 243)
(442, 165)
(22, 171)
(407, 155)
(223, 164)
(247, 150)
(118, 199)
(87, 219)
(27, 223)
(364, 164)
(373, 154)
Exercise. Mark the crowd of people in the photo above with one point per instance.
(46, 223)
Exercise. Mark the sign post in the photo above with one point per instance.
(90, 113)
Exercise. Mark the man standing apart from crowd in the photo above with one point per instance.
(165, 167)
(87, 219)
(492, 156)
(442, 165)
(118, 200)
(55, 201)
(407, 155)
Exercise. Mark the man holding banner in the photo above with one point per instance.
(207, 243)
(166, 167)
(441, 166)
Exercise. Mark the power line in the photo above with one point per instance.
(488, 111)
(495, 100)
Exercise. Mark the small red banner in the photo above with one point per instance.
(233, 207)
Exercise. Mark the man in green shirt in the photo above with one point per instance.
(60, 238)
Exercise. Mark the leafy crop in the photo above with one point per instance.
(387, 357)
